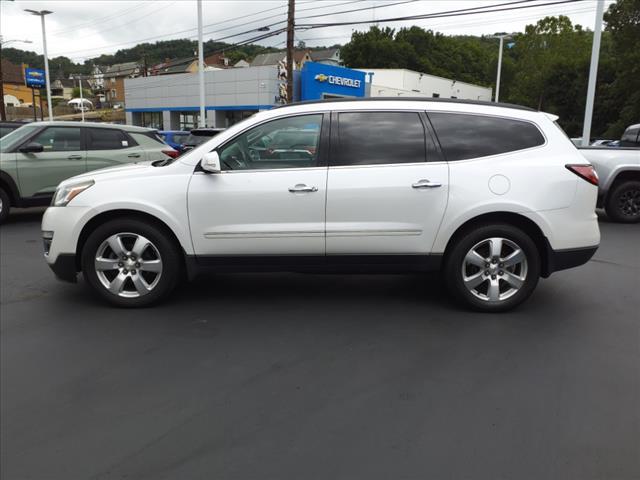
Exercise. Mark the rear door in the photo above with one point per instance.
(108, 147)
(62, 157)
(387, 184)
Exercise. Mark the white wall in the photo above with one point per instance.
(404, 83)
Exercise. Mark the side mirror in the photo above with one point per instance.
(211, 162)
(31, 147)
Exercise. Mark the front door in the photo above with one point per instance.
(270, 197)
(62, 157)
(387, 184)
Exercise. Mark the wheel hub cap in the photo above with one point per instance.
(494, 269)
(128, 265)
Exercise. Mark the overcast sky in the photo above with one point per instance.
(82, 29)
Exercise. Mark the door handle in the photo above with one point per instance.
(301, 187)
(426, 184)
(75, 157)
(134, 155)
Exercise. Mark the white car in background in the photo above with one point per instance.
(493, 196)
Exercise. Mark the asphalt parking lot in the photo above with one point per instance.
(320, 376)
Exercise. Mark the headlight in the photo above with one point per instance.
(67, 193)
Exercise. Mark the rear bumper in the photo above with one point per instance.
(65, 267)
(567, 258)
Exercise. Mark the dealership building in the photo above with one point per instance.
(171, 102)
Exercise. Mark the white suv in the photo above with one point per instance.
(494, 196)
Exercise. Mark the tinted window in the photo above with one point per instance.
(5, 130)
(290, 142)
(373, 138)
(630, 137)
(59, 139)
(465, 136)
(106, 139)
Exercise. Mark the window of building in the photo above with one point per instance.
(371, 138)
(59, 139)
(188, 120)
(106, 139)
(464, 136)
(291, 142)
(152, 120)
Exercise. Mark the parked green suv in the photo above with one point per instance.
(36, 157)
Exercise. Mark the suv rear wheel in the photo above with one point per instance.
(130, 263)
(492, 268)
(5, 205)
(623, 204)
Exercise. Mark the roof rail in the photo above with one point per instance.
(411, 99)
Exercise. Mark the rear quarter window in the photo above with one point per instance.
(465, 136)
(147, 140)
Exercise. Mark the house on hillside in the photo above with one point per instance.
(15, 91)
(300, 57)
(216, 60)
(241, 64)
(96, 79)
(63, 88)
(114, 76)
(328, 56)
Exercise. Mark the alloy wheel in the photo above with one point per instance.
(629, 202)
(128, 265)
(494, 269)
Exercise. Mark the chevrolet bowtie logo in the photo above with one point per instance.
(321, 77)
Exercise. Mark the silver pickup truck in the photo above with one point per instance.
(619, 171)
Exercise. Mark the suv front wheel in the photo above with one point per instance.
(130, 263)
(492, 268)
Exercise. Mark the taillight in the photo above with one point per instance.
(171, 152)
(586, 172)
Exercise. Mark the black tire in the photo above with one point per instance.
(477, 238)
(161, 246)
(623, 202)
(5, 205)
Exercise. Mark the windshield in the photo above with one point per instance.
(10, 140)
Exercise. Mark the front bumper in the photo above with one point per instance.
(65, 267)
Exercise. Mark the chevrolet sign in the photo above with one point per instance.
(344, 81)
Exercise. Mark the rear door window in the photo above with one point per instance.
(630, 137)
(376, 138)
(106, 139)
(464, 136)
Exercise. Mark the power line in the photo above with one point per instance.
(450, 13)
(358, 9)
(101, 19)
(220, 23)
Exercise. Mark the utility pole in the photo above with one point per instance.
(593, 74)
(290, 29)
(41, 14)
(202, 121)
(502, 38)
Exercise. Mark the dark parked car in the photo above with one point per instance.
(6, 127)
(198, 136)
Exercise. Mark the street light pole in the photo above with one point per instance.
(501, 37)
(41, 14)
(202, 121)
(593, 74)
